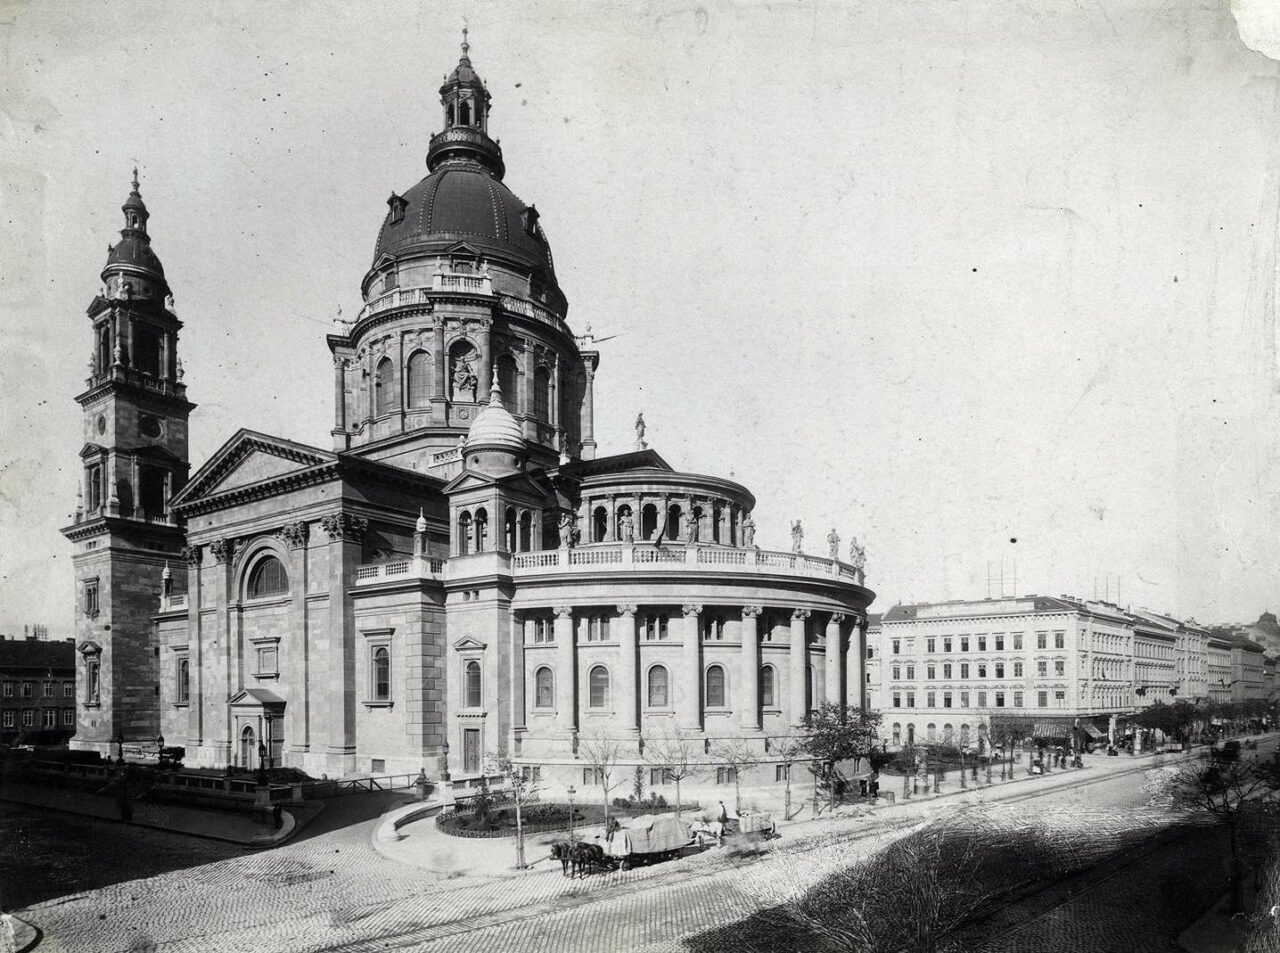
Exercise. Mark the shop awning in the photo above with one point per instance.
(1093, 731)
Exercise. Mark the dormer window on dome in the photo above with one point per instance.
(529, 220)
(397, 204)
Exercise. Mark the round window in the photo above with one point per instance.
(149, 426)
(102, 423)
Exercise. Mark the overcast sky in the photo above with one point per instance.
(974, 281)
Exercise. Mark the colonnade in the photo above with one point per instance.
(842, 675)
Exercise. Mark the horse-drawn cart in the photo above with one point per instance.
(649, 839)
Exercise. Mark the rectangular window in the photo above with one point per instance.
(184, 680)
(28, 717)
(91, 598)
(931, 700)
(897, 646)
(1060, 667)
(999, 643)
(911, 699)
(50, 718)
(781, 771)
(897, 673)
(982, 699)
(1042, 699)
(911, 672)
(964, 699)
(897, 699)
(1060, 699)
(946, 645)
(1017, 642)
(946, 699)
(964, 669)
(378, 765)
(982, 643)
(726, 775)
(69, 718)
(1059, 640)
(471, 750)
(48, 689)
(964, 643)
(267, 660)
(1017, 699)
(1042, 669)
(1017, 670)
(999, 699)
(27, 691)
(931, 672)
(999, 669)
(931, 645)
(8, 689)
(982, 670)
(8, 718)
(946, 670)
(68, 689)
(1042, 640)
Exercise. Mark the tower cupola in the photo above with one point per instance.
(133, 271)
(465, 139)
(495, 442)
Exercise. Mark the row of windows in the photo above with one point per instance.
(48, 718)
(962, 642)
(418, 391)
(931, 671)
(657, 683)
(931, 734)
(653, 627)
(931, 699)
(49, 690)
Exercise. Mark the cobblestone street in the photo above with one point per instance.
(333, 891)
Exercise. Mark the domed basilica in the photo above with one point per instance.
(459, 575)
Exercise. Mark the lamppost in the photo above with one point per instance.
(124, 776)
(262, 762)
(160, 751)
(962, 781)
(119, 743)
(571, 792)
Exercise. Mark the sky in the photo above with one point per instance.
(981, 284)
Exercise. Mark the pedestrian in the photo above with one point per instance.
(724, 814)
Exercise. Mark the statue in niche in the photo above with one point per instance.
(833, 543)
(691, 527)
(568, 530)
(797, 537)
(627, 528)
(640, 444)
(464, 379)
(748, 532)
(858, 560)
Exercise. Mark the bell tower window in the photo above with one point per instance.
(464, 113)
(146, 351)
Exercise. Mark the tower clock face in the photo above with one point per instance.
(149, 426)
(102, 423)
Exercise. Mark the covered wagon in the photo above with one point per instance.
(648, 838)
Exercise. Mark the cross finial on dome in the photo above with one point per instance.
(466, 47)
(135, 178)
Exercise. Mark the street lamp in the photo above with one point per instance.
(119, 743)
(571, 792)
(160, 750)
(262, 762)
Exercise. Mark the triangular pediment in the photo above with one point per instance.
(470, 642)
(255, 698)
(89, 647)
(249, 458)
(521, 484)
(91, 450)
(468, 480)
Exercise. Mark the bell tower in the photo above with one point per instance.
(134, 460)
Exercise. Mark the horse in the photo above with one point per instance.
(562, 851)
(588, 858)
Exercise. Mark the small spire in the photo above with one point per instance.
(421, 525)
(135, 178)
(167, 574)
(466, 47)
(495, 391)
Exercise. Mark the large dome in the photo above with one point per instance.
(464, 202)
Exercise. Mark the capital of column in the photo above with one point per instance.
(691, 608)
(626, 610)
(838, 617)
(563, 612)
(799, 613)
(750, 612)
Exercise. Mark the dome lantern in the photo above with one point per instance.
(133, 271)
(465, 139)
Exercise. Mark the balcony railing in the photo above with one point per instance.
(642, 556)
(465, 284)
(420, 568)
(535, 311)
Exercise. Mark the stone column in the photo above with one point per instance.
(799, 709)
(834, 644)
(749, 670)
(628, 670)
(518, 631)
(339, 403)
(485, 373)
(588, 411)
(297, 677)
(855, 677)
(196, 673)
(337, 696)
(690, 708)
(566, 677)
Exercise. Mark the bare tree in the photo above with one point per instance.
(1224, 791)
(677, 756)
(787, 749)
(837, 733)
(523, 788)
(601, 752)
(738, 757)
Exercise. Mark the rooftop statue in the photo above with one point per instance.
(833, 543)
(640, 444)
(797, 537)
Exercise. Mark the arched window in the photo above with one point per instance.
(768, 687)
(648, 521)
(451, 115)
(248, 750)
(599, 524)
(658, 695)
(716, 695)
(931, 731)
(482, 529)
(384, 383)
(544, 688)
(508, 380)
(598, 687)
(964, 735)
(184, 680)
(526, 531)
(911, 733)
(419, 374)
(509, 528)
(542, 394)
(268, 578)
(464, 113)
(381, 673)
(948, 734)
(464, 533)
(897, 733)
(146, 351)
(471, 680)
(717, 516)
(674, 522)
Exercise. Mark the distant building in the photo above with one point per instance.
(37, 691)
